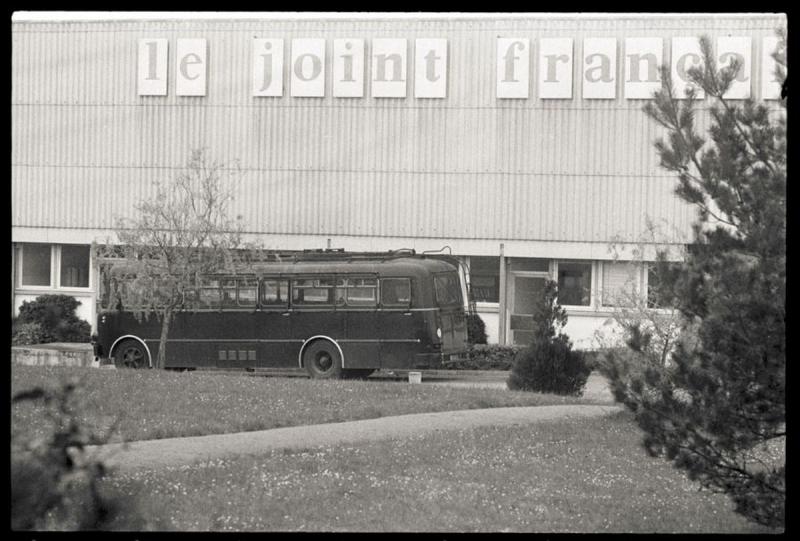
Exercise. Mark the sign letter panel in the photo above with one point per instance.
(308, 68)
(739, 48)
(685, 55)
(555, 68)
(430, 68)
(152, 79)
(389, 57)
(267, 67)
(513, 67)
(600, 68)
(191, 68)
(348, 68)
(643, 58)
(770, 87)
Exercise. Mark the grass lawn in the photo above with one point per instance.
(557, 476)
(152, 404)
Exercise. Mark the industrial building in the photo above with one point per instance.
(518, 141)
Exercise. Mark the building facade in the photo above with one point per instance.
(516, 141)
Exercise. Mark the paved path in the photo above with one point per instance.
(179, 451)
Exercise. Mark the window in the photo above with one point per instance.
(396, 292)
(246, 292)
(208, 294)
(484, 277)
(661, 278)
(275, 293)
(447, 289)
(35, 265)
(357, 292)
(575, 284)
(74, 266)
(309, 292)
(620, 283)
(229, 293)
(54, 266)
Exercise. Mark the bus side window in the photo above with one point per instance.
(313, 291)
(396, 292)
(362, 292)
(229, 293)
(246, 292)
(275, 293)
(209, 294)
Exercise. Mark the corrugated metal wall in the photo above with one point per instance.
(85, 147)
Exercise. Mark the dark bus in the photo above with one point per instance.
(336, 317)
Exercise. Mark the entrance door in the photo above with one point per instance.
(525, 290)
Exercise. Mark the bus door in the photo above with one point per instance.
(399, 325)
(313, 309)
(274, 325)
(357, 303)
(452, 321)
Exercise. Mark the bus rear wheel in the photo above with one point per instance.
(322, 360)
(130, 354)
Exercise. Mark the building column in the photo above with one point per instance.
(501, 315)
(13, 275)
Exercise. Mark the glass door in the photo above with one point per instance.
(525, 289)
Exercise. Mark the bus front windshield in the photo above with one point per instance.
(447, 288)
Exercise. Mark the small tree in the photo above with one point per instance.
(548, 364)
(179, 234)
(718, 409)
(649, 324)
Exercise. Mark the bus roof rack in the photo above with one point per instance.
(338, 254)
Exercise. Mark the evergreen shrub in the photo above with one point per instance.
(548, 364)
(25, 334)
(476, 329)
(55, 316)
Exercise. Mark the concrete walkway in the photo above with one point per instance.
(179, 451)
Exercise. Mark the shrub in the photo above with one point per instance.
(476, 329)
(55, 315)
(54, 485)
(549, 367)
(549, 364)
(487, 357)
(25, 334)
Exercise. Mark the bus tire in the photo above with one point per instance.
(322, 360)
(357, 373)
(130, 354)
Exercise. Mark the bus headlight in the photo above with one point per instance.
(439, 332)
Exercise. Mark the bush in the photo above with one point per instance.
(25, 334)
(549, 365)
(476, 329)
(54, 484)
(55, 315)
(487, 357)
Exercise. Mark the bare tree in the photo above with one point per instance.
(178, 235)
(645, 321)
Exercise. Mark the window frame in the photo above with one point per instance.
(55, 271)
(593, 289)
(641, 269)
(285, 304)
(331, 304)
(398, 305)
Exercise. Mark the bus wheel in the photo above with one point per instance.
(357, 373)
(322, 360)
(130, 354)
